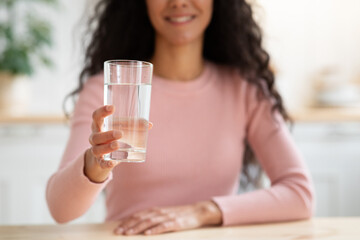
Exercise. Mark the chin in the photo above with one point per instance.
(182, 40)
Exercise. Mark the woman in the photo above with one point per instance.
(213, 99)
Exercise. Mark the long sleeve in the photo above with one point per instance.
(290, 196)
(69, 192)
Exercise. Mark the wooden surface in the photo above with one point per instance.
(319, 228)
(327, 114)
(33, 119)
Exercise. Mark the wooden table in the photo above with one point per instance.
(318, 228)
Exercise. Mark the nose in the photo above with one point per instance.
(177, 4)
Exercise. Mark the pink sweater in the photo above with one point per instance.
(194, 153)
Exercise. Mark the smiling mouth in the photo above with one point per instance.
(182, 19)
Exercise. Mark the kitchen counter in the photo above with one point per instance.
(33, 119)
(317, 228)
(327, 114)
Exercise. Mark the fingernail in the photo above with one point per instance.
(119, 231)
(114, 145)
(109, 108)
(117, 134)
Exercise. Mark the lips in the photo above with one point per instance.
(180, 19)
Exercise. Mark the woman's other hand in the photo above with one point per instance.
(170, 219)
(96, 168)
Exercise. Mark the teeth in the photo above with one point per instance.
(180, 19)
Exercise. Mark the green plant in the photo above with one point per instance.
(24, 36)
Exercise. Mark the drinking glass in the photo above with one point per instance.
(127, 86)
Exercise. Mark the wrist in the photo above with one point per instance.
(210, 213)
(92, 170)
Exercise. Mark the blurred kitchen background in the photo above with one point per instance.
(315, 49)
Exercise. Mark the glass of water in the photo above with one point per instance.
(127, 86)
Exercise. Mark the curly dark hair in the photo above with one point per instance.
(122, 30)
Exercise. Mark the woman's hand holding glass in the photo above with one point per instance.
(96, 168)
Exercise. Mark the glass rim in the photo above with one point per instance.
(136, 63)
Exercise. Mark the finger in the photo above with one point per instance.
(150, 125)
(104, 137)
(99, 115)
(168, 226)
(145, 225)
(106, 164)
(119, 154)
(126, 224)
(134, 220)
(152, 213)
(100, 150)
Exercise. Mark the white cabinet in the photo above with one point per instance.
(29, 155)
(332, 152)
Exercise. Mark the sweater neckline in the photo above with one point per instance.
(193, 85)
